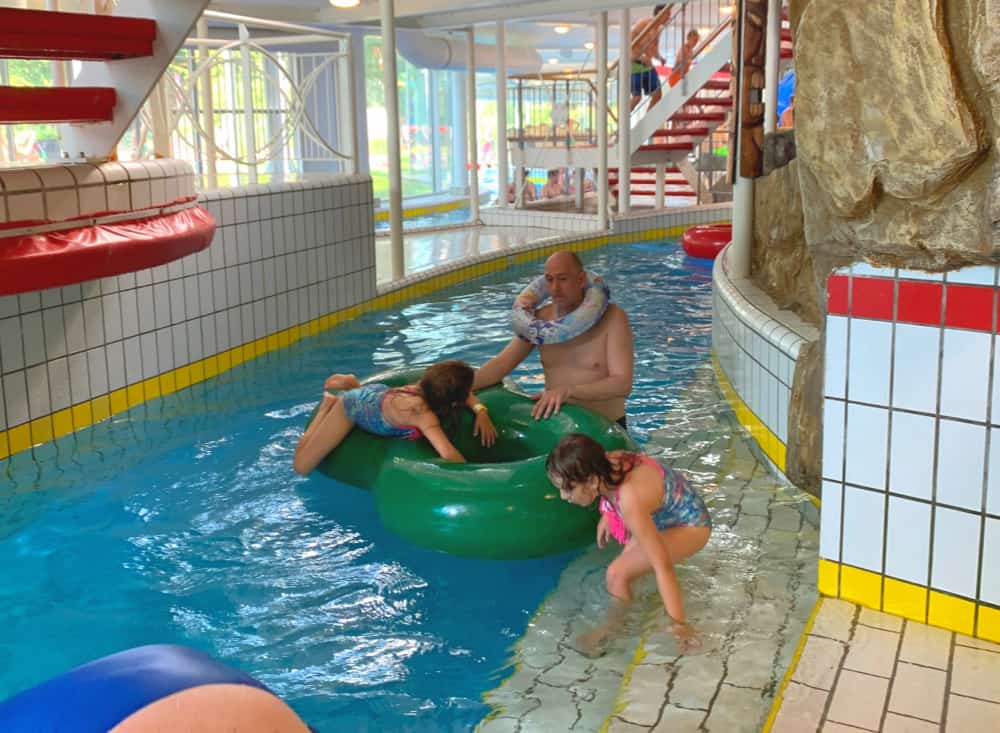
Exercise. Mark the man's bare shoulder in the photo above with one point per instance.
(616, 316)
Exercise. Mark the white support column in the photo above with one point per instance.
(392, 138)
(502, 166)
(740, 252)
(248, 127)
(578, 182)
(459, 147)
(659, 185)
(470, 88)
(771, 61)
(359, 103)
(624, 116)
(601, 59)
(207, 111)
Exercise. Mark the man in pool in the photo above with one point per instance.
(593, 370)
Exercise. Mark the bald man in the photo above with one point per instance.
(594, 370)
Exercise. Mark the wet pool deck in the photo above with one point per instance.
(749, 594)
(862, 670)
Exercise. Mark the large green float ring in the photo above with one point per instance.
(500, 504)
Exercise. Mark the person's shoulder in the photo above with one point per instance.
(616, 315)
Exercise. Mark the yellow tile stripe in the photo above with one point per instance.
(780, 695)
(909, 600)
(762, 435)
(416, 211)
(59, 424)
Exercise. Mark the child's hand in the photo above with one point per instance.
(484, 428)
(602, 532)
(686, 635)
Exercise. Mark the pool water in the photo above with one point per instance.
(436, 219)
(182, 522)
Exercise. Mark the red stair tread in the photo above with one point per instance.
(711, 101)
(716, 84)
(44, 34)
(643, 169)
(668, 146)
(679, 131)
(645, 182)
(698, 117)
(26, 105)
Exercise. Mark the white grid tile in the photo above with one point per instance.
(830, 517)
(915, 367)
(955, 554)
(965, 367)
(990, 580)
(907, 546)
(866, 445)
(911, 464)
(864, 512)
(961, 455)
(869, 365)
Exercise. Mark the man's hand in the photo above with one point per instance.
(525, 303)
(549, 402)
(484, 429)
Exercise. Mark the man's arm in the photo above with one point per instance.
(502, 364)
(618, 383)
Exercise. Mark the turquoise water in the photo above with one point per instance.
(181, 521)
(437, 219)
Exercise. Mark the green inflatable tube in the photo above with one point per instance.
(500, 504)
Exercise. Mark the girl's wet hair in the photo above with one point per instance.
(445, 387)
(578, 457)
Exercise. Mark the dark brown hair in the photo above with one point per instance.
(445, 387)
(578, 457)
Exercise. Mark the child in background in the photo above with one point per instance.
(417, 410)
(653, 512)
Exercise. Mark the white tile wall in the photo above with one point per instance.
(929, 430)
(65, 346)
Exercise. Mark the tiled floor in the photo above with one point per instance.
(861, 670)
(428, 249)
(748, 594)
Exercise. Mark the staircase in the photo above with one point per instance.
(122, 57)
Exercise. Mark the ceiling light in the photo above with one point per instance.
(561, 29)
(553, 61)
(727, 10)
(589, 45)
(345, 3)
(703, 32)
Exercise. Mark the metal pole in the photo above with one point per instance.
(470, 87)
(773, 53)
(502, 167)
(208, 110)
(248, 126)
(624, 116)
(601, 52)
(392, 138)
(740, 252)
(359, 103)
(659, 185)
(435, 118)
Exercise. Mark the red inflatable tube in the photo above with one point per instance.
(707, 240)
(31, 262)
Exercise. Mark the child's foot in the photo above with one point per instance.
(341, 382)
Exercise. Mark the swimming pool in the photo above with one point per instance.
(436, 219)
(182, 522)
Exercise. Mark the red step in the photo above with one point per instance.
(652, 192)
(786, 53)
(786, 34)
(717, 84)
(679, 131)
(43, 34)
(698, 117)
(711, 101)
(680, 145)
(671, 169)
(643, 182)
(26, 105)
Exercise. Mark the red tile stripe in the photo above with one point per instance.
(836, 295)
(871, 297)
(919, 302)
(969, 306)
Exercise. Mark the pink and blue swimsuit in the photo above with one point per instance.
(363, 406)
(682, 505)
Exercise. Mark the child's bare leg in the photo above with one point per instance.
(341, 382)
(325, 405)
(324, 434)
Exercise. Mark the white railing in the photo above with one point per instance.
(254, 108)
